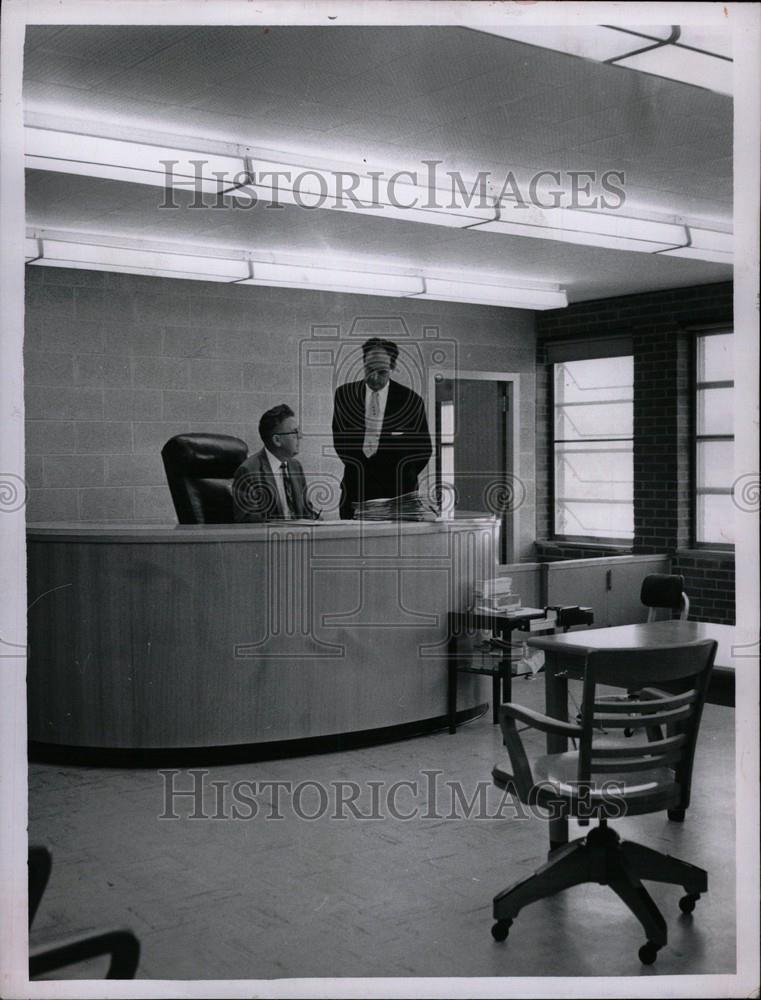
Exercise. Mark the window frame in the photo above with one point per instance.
(695, 438)
(620, 347)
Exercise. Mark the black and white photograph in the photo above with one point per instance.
(379, 499)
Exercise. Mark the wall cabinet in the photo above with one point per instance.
(610, 585)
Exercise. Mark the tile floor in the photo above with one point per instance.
(263, 898)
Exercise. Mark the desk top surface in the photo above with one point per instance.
(645, 635)
(115, 531)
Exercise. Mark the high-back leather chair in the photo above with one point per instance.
(664, 590)
(199, 469)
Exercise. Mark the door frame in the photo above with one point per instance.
(512, 431)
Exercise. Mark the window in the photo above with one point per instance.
(594, 457)
(714, 439)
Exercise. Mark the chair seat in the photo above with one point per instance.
(641, 791)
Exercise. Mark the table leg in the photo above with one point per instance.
(506, 665)
(556, 706)
(506, 673)
(452, 680)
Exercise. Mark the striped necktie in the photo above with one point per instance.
(373, 429)
(288, 487)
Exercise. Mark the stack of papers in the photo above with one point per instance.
(495, 595)
(407, 507)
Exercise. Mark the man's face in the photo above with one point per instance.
(377, 369)
(287, 438)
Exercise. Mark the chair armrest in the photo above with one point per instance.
(121, 945)
(522, 779)
(538, 721)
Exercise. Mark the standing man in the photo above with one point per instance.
(380, 432)
(270, 485)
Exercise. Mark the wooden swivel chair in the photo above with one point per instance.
(667, 591)
(607, 779)
(664, 590)
(121, 945)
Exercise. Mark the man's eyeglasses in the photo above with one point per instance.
(283, 433)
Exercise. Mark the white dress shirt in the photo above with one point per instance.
(277, 472)
(374, 421)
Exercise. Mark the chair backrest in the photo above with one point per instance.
(666, 725)
(664, 590)
(40, 863)
(199, 469)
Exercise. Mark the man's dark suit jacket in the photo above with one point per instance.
(255, 495)
(403, 450)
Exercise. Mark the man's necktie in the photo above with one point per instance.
(373, 429)
(288, 488)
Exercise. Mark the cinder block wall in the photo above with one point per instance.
(116, 364)
(660, 325)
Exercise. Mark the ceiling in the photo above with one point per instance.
(386, 98)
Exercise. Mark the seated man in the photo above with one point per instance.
(270, 484)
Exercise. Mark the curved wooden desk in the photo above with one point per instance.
(216, 636)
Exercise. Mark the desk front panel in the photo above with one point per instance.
(276, 633)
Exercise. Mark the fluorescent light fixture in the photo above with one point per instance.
(705, 244)
(332, 279)
(611, 231)
(684, 65)
(388, 195)
(594, 41)
(207, 170)
(56, 248)
(697, 56)
(138, 156)
(706, 39)
(126, 160)
(146, 261)
(454, 290)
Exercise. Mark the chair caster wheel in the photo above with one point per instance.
(648, 953)
(677, 815)
(687, 903)
(501, 929)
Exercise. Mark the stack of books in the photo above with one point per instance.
(495, 596)
(407, 507)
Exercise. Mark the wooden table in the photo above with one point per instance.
(565, 654)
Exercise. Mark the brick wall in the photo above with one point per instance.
(116, 364)
(710, 584)
(658, 324)
(556, 551)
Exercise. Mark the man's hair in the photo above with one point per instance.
(377, 344)
(270, 420)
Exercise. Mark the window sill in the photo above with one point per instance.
(602, 546)
(717, 555)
